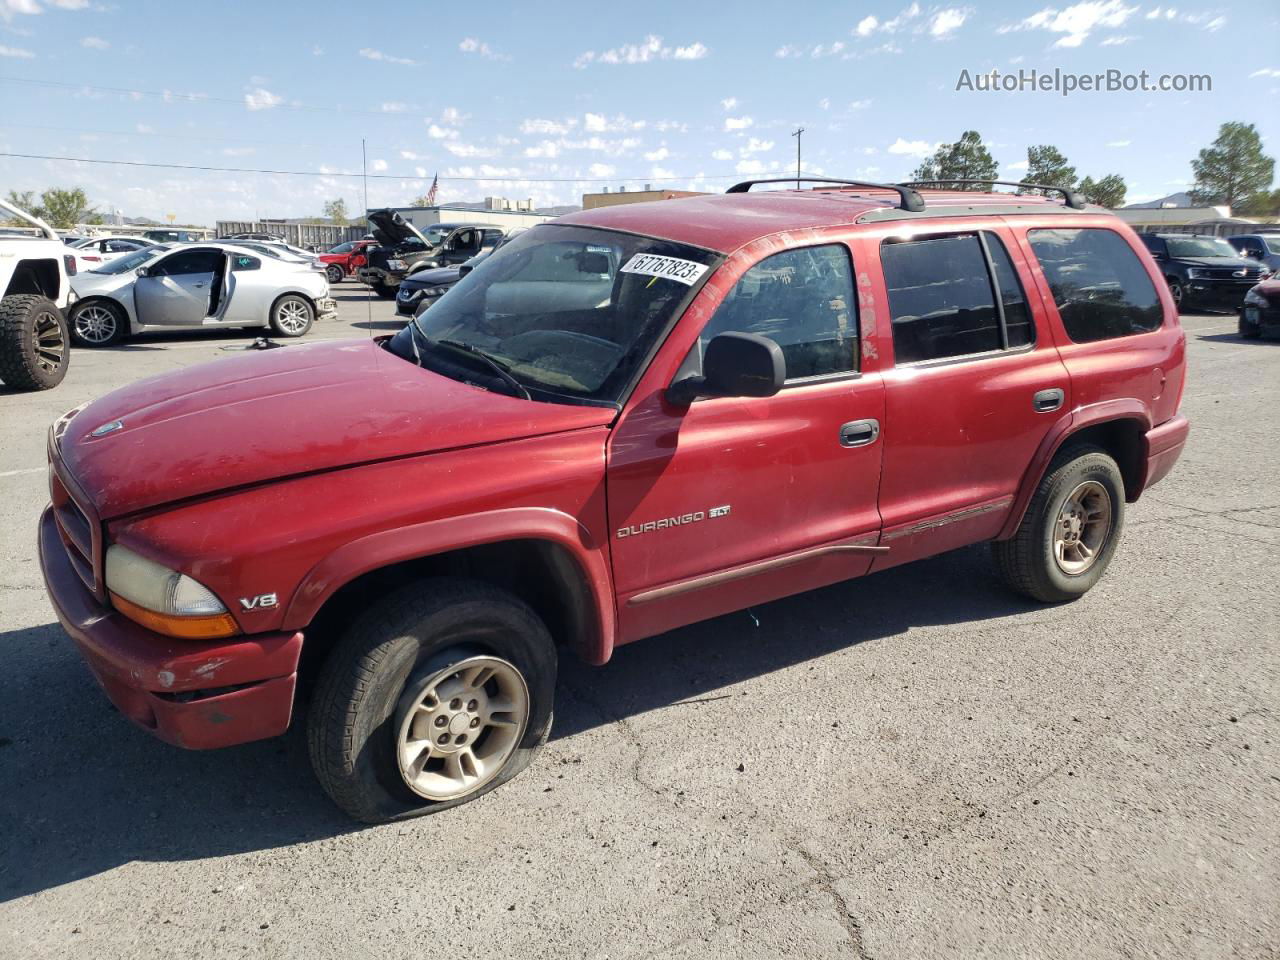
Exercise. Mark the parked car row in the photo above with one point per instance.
(402, 248)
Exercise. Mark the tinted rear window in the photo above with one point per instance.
(1100, 286)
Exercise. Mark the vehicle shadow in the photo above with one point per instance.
(1236, 338)
(82, 792)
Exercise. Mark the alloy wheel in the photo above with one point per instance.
(49, 343)
(96, 324)
(293, 316)
(457, 726)
(1082, 528)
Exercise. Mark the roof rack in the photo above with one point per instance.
(908, 198)
(1074, 200)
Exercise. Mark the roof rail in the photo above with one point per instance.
(908, 198)
(1074, 200)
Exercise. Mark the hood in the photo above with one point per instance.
(391, 229)
(265, 415)
(432, 276)
(1232, 263)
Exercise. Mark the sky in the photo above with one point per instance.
(547, 101)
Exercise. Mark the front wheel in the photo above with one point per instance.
(386, 291)
(98, 323)
(1175, 291)
(1070, 530)
(435, 697)
(334, 272)
(292, 315)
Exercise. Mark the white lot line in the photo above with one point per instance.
(18, 473)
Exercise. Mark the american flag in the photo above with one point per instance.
(431, 194)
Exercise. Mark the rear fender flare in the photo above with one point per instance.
(414, 542)
(1081, 418)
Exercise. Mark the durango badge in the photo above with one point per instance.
(667, 523)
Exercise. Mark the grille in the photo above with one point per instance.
(1229, 273)
(79, 533)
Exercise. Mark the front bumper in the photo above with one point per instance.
(1224, 295)
(1267, 318)
(1164, 447)
(378, 277)
(193, 694)
(326, 308)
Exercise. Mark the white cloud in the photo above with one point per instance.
(317, 50)
(1019, 165)
(651, 49)
(237, 151)
(1266, 72)
(911, 148)
(737, 123)
(546, 149)
(597, 123)
(472, 45)
(379, 166)
(859, 104)
(602, 170)
(454, 117)
(537, 125)
(750, 166)
(370, 54)
(1117, 41)
(756, 145)
(1119, 143)
(721, 155)
(866, 26)
(728, 103)
(17, 53)
(409, 155)
(655, 155)
(261, 99)
(824, 103)
(1076, 22)
(441, 133)
(946, 22)
(393, 107)
(94, 43)
(818, 52)
(143, 128)
(662, 173)
(468, 149)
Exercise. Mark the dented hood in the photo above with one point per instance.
(265, 415)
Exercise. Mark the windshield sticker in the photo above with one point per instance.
(668, 268)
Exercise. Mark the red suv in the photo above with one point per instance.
(626, 420)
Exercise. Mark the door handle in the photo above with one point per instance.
(859, 433)
(1047, 401)
(197, 285)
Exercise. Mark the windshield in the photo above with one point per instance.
(1201, 247)
(436, 235)
(131, 261)
(570, 312)
(344, 247)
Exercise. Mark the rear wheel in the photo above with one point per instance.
(334, 272)
(35, 348)
(97, 323)
(1070, 530)
(292, 315)
(432, 699)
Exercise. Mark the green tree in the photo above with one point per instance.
(336, 211)
(65, 208)
(26, 202)
(1232, 168)
(1045, 164)
(1106, 191)
(966, 159)
(1264, 203)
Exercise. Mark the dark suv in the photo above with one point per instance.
(1262, 247)
(624, 421)
(1203, 273)
(402, 248)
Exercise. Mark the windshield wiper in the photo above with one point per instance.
(474, 352)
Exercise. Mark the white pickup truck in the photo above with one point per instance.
(35, 346)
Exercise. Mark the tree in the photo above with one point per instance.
(422, 201)
(65, 208)
(1108, 191)
(1232, 168)
(1045, 164)
(1264, 203)
(26, 202)
(966, 159)
(336, 210)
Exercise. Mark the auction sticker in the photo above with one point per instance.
(668, 268)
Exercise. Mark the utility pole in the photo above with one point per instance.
(799, 131)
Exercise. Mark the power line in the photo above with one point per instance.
(378, 176)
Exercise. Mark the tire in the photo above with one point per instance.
(335, 273)
(35, 347)
(386, 292)
(1175, 291)
(364, 699)
(292, 315)
(1247, 330)
(1029, 562)
(98, 323)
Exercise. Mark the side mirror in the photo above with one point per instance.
(735, 365)
(141, 272)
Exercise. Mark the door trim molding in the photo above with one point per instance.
(863, 544)
(948, 518)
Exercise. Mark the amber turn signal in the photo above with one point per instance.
(185, 628)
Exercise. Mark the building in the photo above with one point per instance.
(496, 211)
(606, 199)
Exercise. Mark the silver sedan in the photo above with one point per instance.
(190, 286)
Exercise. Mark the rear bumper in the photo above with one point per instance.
(192, 694)
(1164, 447)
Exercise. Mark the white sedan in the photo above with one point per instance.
(185, 286)
(95, 251)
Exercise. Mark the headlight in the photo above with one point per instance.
(164, 600)
(1255, 299)
(433, 291)
(1196, 273)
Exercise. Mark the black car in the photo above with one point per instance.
(421, 289)
(1203, 273)
(402, 248)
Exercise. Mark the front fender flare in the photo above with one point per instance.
(389, 547)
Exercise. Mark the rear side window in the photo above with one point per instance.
(946, 301)
(243, 261)
(1100, 286)
(803, 301)
(186, 263)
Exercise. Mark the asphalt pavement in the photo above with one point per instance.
(915, 764)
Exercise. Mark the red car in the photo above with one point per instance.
(344, 259)
(626, 420)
